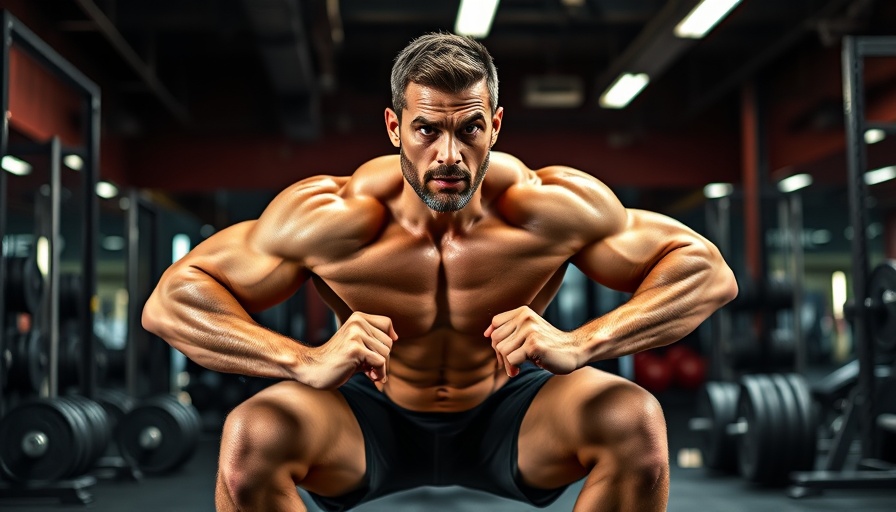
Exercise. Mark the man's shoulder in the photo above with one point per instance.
(556, 198)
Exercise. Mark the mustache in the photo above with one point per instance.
(447, 171)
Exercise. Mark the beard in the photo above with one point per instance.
(443, 201)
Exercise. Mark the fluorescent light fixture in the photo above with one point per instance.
(717, 190)
(106, 190)
(874, 135)
(880, 175)
(838, 293)
(180, 246)
(624, 90)
(113, 243)
(704, 17)
(43, 256)
(474, 17)
(794, 183)
(15, 166)
(73, 162)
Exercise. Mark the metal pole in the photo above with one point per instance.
(55, 253)
(133, 279)
(4, 142)
(89, 230)
(854, 109)
(795, 218)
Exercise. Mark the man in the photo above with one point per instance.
(438, 263)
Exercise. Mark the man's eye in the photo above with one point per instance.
(470, 130)
(426, 130)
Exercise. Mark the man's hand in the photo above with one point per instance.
(523, 334)
(361, 345)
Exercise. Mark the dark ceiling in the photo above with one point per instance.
(304, 67)
(315, 73)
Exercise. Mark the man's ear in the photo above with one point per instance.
(392, 127)
(496, 125)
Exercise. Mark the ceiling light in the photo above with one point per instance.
(880, 175)
(794, 183)
(717, 190)
(73, 162)
(874, 135)
(704, 17)
(474, 17)
(113, 243)
(624, 90)
(15, 166)
(106, 190)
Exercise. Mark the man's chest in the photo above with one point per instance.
(456, 283)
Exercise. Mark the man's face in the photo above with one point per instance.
(445, 141)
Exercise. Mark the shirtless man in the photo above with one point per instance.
(442, 371)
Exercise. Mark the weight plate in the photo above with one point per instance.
(790, 426)
(154, 438)
(771, 444)
(40, 442)
(116, 403)
(84, 437)
(25, 284)
(752, 445)
(808, 433)
(29, 361)
(717, 402)
(98, 423)
(882, 292)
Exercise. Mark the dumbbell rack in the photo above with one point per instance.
(16, 34)
(860, 414)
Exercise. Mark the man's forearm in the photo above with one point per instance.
(199, 317)
(675, 298)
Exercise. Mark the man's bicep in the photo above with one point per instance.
(251, 266)
(623, 259)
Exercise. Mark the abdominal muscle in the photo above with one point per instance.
(444, 371)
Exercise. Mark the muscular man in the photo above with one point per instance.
(438, 263)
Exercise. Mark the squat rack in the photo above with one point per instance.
(15, 33)
(860, 415)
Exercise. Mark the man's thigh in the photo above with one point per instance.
(572, 419)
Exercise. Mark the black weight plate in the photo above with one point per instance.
(882, 291)
(751, 445)
(808, 437)
(28, 369)
(173, 445)
(770, 445)
(25, 284)
(98, 423)
(717, 402)
(790, 429)
(188, 419)
(83, 433)
(117, 403)
(63, 450)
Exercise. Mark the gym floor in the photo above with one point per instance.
(191, 488)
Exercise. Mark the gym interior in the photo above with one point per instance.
(135, 129)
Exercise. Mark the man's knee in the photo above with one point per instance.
(627, 421)
(258, 439)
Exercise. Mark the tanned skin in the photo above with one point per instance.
(439, 310)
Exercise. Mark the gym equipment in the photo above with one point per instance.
(764, 427)
(872, 318)
(159, 434)
(882, 295)
(716, 410)
(652, 372)
(26, 360)
(24, 284)
(49, 439)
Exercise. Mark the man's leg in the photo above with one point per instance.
(288, 435)
(593, 425)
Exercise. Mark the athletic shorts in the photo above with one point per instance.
(476, 448)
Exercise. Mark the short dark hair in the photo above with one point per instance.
(446, 62)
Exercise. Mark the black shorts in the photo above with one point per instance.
(475, 448)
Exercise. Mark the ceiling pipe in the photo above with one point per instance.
(284, 46)
(146, 73)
